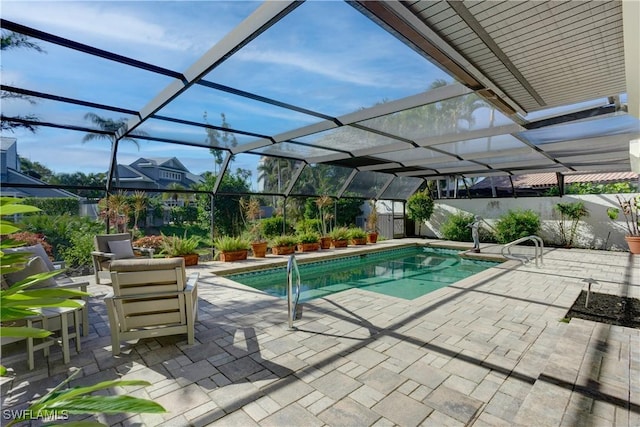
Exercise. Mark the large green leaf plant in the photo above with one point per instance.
(18, 302)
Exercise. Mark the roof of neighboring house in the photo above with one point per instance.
(127, 173)
(542, 180)
(167, 162)
(15, 177)
(6, 142)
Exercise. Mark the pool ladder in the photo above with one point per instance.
(292, 299)
(539, 248)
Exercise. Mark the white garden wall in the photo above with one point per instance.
(596, 231)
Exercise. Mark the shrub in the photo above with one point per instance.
(151, 242)
(31, 239)
(55, 205)
(78, 252)
(57, 230)
(308, 225)
(457, 227)
(516, 224)
(272, 227)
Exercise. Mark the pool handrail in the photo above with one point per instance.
(292, 303)
(539, 247)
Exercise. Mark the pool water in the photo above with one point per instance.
(404, 273)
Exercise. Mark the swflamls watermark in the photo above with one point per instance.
(28, 414)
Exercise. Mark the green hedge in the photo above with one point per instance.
(55, 205)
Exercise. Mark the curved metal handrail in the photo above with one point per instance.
(537, 241)
(292, 303)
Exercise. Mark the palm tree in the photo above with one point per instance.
(140, 200)
(110, 126)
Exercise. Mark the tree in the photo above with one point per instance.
(219, 138)
(420, 207)
(8, 41)
(111, 126)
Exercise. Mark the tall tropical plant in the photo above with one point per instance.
(572, 212)
(324, 203)
(139, 200)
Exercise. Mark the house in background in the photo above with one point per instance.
(156, 173)
(10, 173)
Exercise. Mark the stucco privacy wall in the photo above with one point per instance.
(596, 231)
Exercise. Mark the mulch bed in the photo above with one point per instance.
(605, 308)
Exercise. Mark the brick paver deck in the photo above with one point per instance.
(487, 351)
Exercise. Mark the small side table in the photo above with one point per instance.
(54, 319)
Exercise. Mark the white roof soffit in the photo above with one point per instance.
(631, 28)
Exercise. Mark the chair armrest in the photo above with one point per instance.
(192, 280)
(147, 252)
(103, 254)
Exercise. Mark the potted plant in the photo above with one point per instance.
(357, 236)
(231, 248)
(309, 241)
(339, 237)
(283, 245)
(630, 208)
(252, 214)
(185, 247)
(323, 203)
(372, 223)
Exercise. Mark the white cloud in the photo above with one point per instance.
(87, 22)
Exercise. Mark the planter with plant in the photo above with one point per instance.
(630, 209)
(339, 237)
(231, 248)
(372, 223)
(283, 245)
(252, 214)
(309, 241)
(184, 247)
(357, 236)
(324, 203)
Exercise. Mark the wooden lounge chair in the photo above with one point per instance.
(109, 247)
(151, 298)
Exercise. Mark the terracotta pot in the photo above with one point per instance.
(190, 259)
(283, 250)
(634, 244)
(340, 243)
(362, 241)
(372, 237)
(308, 247)
(233, 256)
(259, 249)
(325, 242)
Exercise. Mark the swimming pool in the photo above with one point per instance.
(404, 273)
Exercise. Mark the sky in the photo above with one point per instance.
(325, 56)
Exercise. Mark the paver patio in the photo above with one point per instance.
(487, 351)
